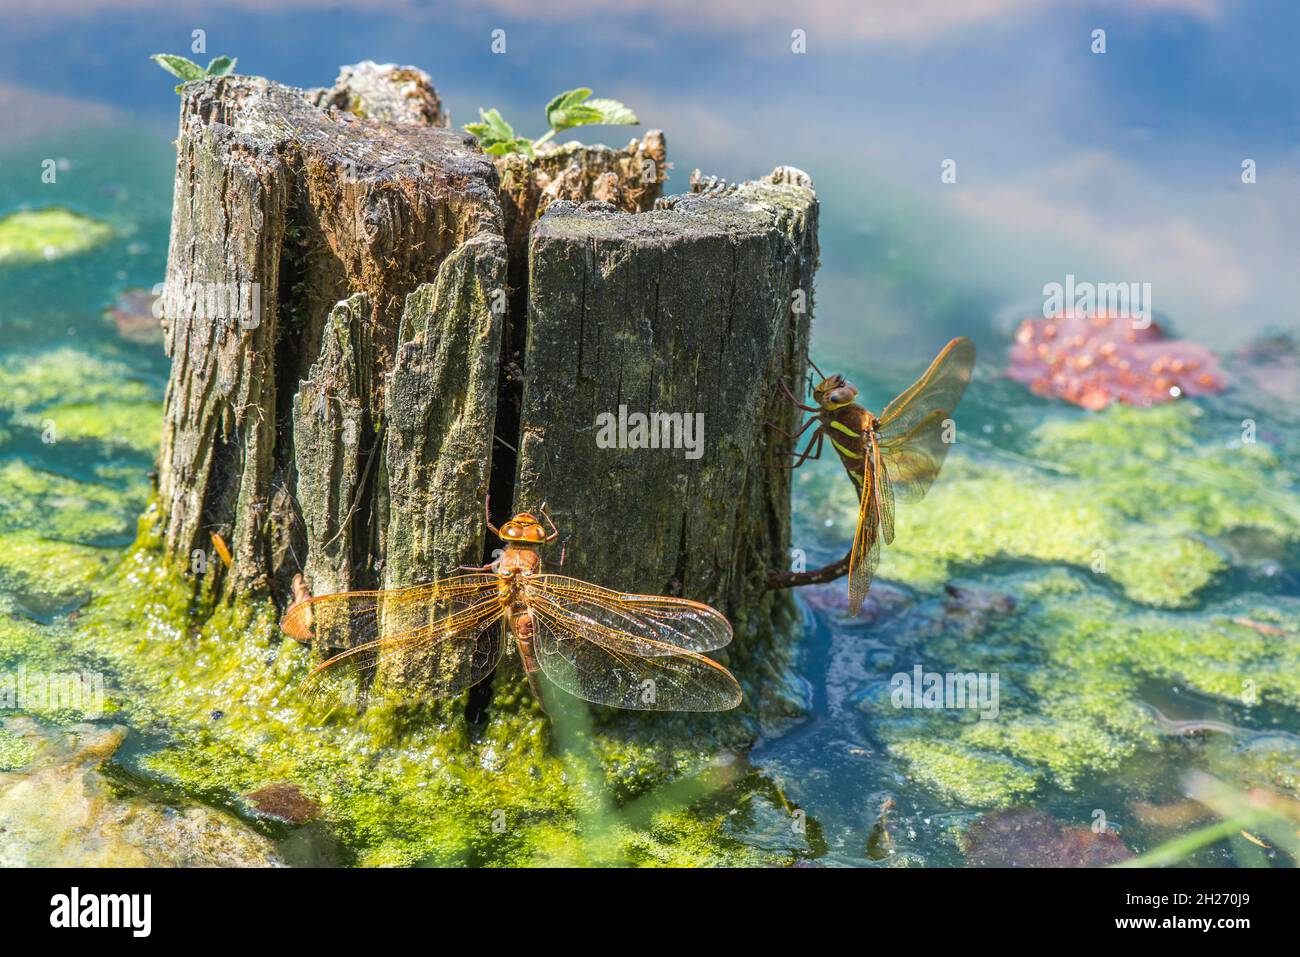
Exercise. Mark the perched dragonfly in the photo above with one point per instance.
(629, 651)
(893, 457)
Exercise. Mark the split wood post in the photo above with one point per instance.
(366, 337)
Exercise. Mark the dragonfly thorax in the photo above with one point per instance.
(522, 560)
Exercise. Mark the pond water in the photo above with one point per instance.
(1132, 577)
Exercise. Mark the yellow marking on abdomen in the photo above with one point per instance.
(843, 451)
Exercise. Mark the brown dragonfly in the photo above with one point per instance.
(893, 457)
(437, 639)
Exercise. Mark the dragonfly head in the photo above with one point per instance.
(834, 392)
(524, 527)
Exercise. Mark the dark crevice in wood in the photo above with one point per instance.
(291, 345)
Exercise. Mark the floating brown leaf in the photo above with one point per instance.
(284, 802)
(1024, 837)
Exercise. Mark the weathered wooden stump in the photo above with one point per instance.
(386, 92)
(686, 315)
(321, 224)
(369, 331)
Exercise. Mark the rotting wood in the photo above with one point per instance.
(324, 223)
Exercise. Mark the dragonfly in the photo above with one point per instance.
(642, 652)
(893, 457)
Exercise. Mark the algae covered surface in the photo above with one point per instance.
(1131, 577)
(34, 235)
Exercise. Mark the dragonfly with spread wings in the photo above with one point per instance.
(894, 457)
(643, 652)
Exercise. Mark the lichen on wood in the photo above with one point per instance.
(386, 92)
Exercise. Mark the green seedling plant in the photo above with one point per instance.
(569, 109)
(186, 70)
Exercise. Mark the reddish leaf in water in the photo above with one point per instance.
(284, 802)
(1095, 361)
(1025, 837)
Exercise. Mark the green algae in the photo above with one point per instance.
(398, 785)
(62, 508)
(965, 774)
(36, 381)
(50, 573)
(36, 235)
(108, 420)
(1075, 664)
(15, 751)
(131, 425)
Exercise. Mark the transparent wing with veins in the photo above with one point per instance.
(432, 640)
(630, 651)
(911, 432)
(667, 624)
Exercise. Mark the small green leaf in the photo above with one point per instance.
(505, 147)
(179, 66)
(566, 99)
(613, 113)
(498, 128)
(493, 132)
(567, 109)
(572, 108)
(222, 65)
(580, 115)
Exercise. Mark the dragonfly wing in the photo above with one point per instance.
(348, 619)
(883, 490)
(940, 387)
(865, 555)
(418, 642)
(668, 624)
(607, 667)
(436, 661)
(913, 439)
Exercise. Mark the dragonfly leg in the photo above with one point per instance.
(818, 440)
(555, 532)
(793, 435)
(817, 576)
(301, 590)
(487, 515)
(794, 398)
